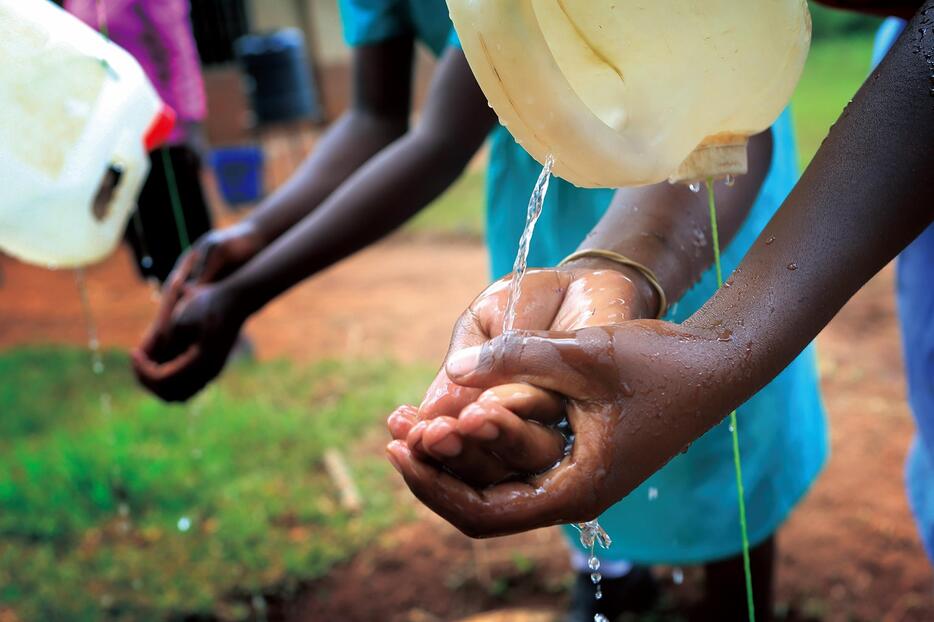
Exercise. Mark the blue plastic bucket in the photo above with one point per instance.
(278, 78)
(239, 173)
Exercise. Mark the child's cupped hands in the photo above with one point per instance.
(513, 430)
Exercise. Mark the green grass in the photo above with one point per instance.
(95, 508)
(835, 70)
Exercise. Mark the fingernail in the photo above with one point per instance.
(449, 446)
(463, 363)
(393, 459)
(487, 432)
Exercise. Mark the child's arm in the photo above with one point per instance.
(865, 196)
(665, 227)
(378, 115)
(386, 191)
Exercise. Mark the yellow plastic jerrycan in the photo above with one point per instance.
(77, 116)
(633, 92)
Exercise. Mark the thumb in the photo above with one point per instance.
(210, 265)
(559, 361)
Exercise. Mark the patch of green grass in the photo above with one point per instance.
(151, 511)
(459, 211)
(834, 72)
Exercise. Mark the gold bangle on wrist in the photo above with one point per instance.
(625, 261)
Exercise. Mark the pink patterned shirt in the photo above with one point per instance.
(158, 35)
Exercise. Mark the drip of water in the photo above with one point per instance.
(592, 533)
(694, 186)
(677, 575)
(730, 181)
(519, 267)
(94, 344)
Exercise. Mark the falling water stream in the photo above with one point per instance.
(591, 532)
(94, 344)
(536, 201)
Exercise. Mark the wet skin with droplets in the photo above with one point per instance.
(549, 300)
(865, 196)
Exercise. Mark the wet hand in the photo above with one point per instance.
(486, 437)
(188, 344)
(196, 325)
(218, 253)
(636, 394)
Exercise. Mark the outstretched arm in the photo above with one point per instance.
(381, 195)
(190, 344)
(640, 392)
(378, 115)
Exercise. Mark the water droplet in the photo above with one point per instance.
(677, 575)
(770, 240)
(694, 186)
(595, 577)
(599, 617)
(792, 266)
(594, 563)
(730, 181)
(146, 262)
(184, 523)
(259, 604)
(732, 428)
(106, 403)
(653, 493)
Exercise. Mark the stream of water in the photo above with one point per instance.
(536, 201)
(591, 533)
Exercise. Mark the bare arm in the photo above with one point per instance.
(865, 196)
(198, 324)
(381, 195)
(667, 227)
(378, 115)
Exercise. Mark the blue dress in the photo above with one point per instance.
(692, 515)
(915, 282)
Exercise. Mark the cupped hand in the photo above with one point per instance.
(636, 394)
(488, 436)
(189, 342)
(196, 325)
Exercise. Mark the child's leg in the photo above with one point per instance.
(725, 585)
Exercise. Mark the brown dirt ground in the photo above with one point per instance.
(850, 552)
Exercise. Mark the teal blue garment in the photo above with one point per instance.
(687, 512)
(371, 21)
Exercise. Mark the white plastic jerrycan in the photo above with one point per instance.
(77, 117)
(633, 92)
